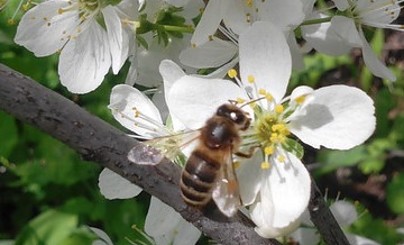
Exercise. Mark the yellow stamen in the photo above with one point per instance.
(136, 111)
(251, 79)
(240, 100)
(280, 127)
(269, 150)
(281, 158)
(262, 91)
(232, 73)
(274, 138)
(249, 3)
(300, 100)
(265, 165)
(269, 97)
(279, 109)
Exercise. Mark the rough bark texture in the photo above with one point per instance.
(103, 144)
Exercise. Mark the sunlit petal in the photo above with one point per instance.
(339, 117)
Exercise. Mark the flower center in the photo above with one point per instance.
(270, 129)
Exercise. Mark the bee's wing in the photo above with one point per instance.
(151, 152)
(226, 191)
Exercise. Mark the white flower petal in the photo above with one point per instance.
(264, 54)
(249, 178)
(345, 28)
(177, 3)
(118, 41)
(129, 8)
(191, 10)
(373, 63)
(161, 218)
(210, 54)
(186, 234)
(341, 4)
(283, 13)
(170, 72)
(236, 18)
(299, 91)
(43, 30)
(284, 196)
(306, 236)
(344, 212)
(323, 38)
(125, 100)
(339, 117)
(104, 238)
(359, 240)
(167, 226)
(114, 186)
(296, 52)
(210, 21)
(84, 61)
(193, 99)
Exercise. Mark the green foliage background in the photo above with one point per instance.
(48, 195)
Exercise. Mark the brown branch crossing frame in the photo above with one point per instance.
(103, 144)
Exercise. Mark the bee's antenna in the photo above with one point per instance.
(251, 101)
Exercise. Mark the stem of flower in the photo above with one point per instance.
(184, 29)
(316, 21)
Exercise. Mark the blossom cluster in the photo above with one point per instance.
(234, 50)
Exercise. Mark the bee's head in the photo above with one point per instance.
(235, 114)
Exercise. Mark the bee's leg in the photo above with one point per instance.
(249, 153)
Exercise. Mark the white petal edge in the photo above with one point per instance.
(285, 14)
(124, 100)
(344, 212)
(85, 61)
(104, 238)
(284, 197)
(346, 29)
(210, 54)
(249, 178)
(339, 117)
(171, 72)
(43, 31)
(322, 38)
(264, 54)
(210, 21)
(163, 220)
(373, 63)
(118, 42)
(341, 4)
(114, 186)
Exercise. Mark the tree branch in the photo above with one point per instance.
(101, 143)
(323, 219)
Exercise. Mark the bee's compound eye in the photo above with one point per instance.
(233, 116)
(222, 111)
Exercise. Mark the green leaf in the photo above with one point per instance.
(395, 194)
(9, 134)
(372, 165)
(384, 103)
(333, 159)
(292, 146)
(50, 227)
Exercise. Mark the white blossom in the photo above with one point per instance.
(87, 48)
(345, 30)
(274, 183)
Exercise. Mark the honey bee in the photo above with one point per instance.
(208, 173)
